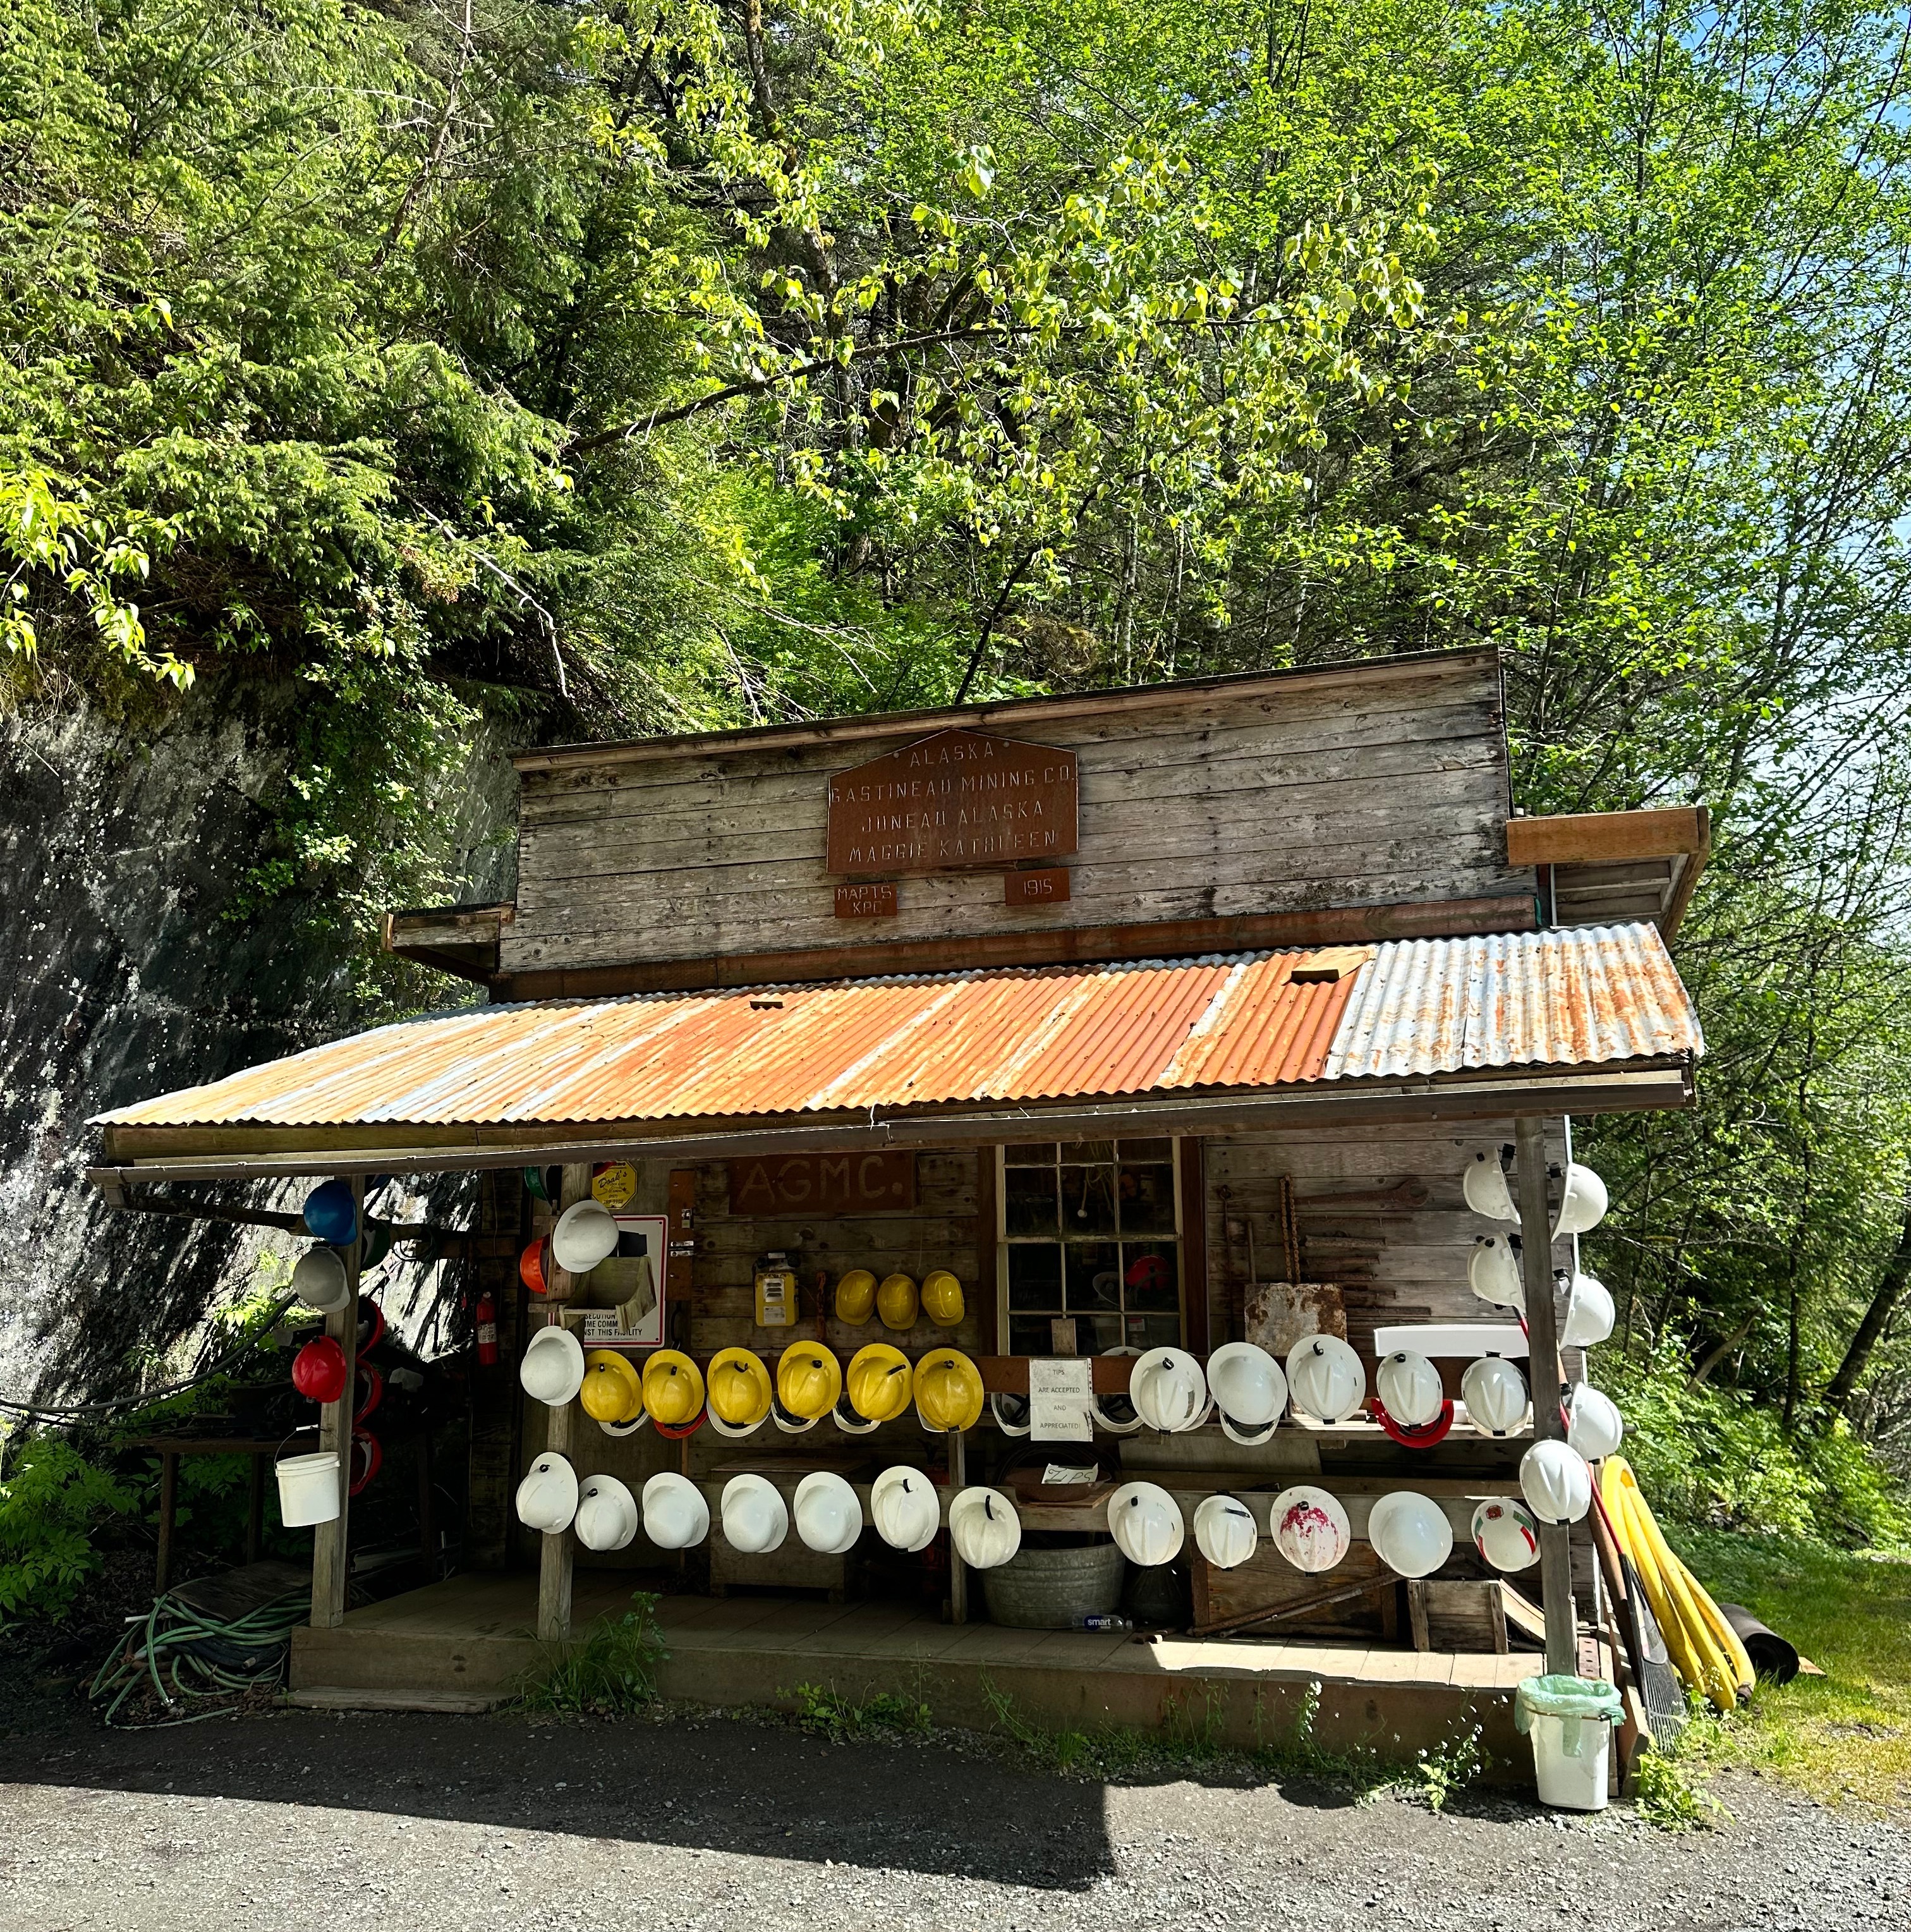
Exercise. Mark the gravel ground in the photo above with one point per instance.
(272, 1820)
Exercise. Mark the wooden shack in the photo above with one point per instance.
(1169, 1016)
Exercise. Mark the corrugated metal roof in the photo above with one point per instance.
(1589, 996)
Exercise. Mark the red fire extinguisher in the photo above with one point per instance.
(487, 1330)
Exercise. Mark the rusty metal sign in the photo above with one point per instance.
(822, 1183)
(954, 800)
(875, 899)
(1047, 885)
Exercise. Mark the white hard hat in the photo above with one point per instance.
(903, 1507)
(1325, 1378)
(675, 1516)
(1581, 1202)
(1589, 1313)
(585, 1233)
(1555, 1482)
(1408, 1387)
(553, 1369)
(1410, 1533)
(547, 1497)
(1593, 1426)
(1224, 1531)
(1495, 1394)
(1484, 1185)
(755, 1518)
(1115, 1413)
(1250, 1391)
(984, 1527)
(320, 1280)
(1505, 1534)
(1146, 1523)
(1169, 1390)
(1310, 1528)
(607, 1513)
(828, 1516)
(629, 1428)
(1012, 1415)
(1493, 1272)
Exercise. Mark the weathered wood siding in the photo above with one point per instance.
(1374, 786)
(1391, 1266)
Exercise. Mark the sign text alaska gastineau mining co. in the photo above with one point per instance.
(955, 799)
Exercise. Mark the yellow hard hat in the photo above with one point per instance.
(672, 1388)
(855, 1298)
(896, 1303)
(948, 1389)
(942, 1298)
(612, 1391)
(881, 1384)
(808, 1380)
(739, 1389)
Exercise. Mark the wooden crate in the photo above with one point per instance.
(1267, 1582)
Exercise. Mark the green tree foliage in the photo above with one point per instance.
(594, 370)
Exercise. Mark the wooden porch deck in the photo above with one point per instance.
(463, 1643)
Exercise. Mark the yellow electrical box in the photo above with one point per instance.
(776, 1292)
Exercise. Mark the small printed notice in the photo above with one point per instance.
(1063, 1472)
(1059, 1394)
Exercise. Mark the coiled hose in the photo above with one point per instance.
(186, 1655)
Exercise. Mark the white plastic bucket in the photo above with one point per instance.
(1570, 1761)
(308, 1489)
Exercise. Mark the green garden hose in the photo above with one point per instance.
(187, 1655)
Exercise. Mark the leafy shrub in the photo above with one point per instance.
(1712, 1458)
(613, 1670)
(51, 1502)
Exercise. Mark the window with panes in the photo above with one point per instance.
(1091, 1229)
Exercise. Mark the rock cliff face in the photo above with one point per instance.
(125, 975)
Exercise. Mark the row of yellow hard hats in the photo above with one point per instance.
(897, 1299)
(810, 1384)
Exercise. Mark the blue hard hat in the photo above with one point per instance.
(328, 1213)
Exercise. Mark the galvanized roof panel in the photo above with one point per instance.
(1585, 997)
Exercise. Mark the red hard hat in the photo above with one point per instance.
(318, 1370)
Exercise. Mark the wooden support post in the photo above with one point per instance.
(330, 1562)
(427, 1515)
(169, 1505)
(255, 1510)
(1543, 1362)
(555, 1560)
(959, 1570)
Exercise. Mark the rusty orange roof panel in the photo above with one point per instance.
(1578, 996)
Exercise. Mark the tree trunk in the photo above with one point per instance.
(1891, 1285)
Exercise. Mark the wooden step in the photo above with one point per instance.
(443, 1703)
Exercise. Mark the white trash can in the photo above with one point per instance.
(1570, 1721)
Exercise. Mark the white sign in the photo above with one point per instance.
(1059, 1393)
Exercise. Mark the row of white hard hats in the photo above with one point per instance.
(1309, 1525)
(827, 1514)
(1410, 1532)
(1583, 1198)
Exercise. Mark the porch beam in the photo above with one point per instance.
(1542, 1366)
(331, 1555)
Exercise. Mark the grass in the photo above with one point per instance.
(1189, 1742)
(1843, 1736)
(825, 1712)
(612, 1671)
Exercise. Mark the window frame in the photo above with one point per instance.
(1004, 1240)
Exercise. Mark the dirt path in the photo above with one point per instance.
(292, 1819)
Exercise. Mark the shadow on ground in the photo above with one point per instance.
(716, 1784)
